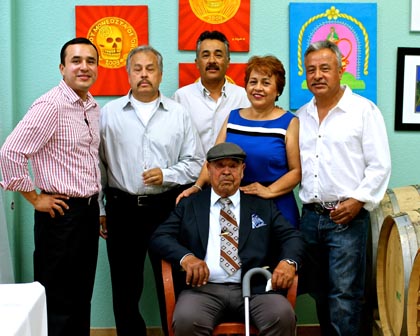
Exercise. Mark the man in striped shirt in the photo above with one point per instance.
(60, 136)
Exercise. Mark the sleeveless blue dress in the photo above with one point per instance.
(264, 143)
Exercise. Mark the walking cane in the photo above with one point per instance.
(246, 291)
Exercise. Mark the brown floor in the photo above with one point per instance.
(303, 330)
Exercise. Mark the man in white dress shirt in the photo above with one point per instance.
(212, 97)
(346, 167)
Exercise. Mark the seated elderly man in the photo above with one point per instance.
(216, 236)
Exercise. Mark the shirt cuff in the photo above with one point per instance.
(182, 259)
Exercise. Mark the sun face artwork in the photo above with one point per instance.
(231, 17)
(115, 31)
(352, 27)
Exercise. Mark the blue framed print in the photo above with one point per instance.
(352, 26)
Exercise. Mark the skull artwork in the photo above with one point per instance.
(109, 41)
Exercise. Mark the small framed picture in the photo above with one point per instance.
(407, 93)
(415, 15)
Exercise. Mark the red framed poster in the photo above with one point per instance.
(114, 30)
(231, 17)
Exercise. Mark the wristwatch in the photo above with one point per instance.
(292, 262)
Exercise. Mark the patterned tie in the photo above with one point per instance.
(229, 258)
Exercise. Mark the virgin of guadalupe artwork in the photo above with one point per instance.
(352, 27)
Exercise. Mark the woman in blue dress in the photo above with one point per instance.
(270, 137)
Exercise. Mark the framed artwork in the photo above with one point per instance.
(188, 73)
(231, 17)
(114, 30)
(407, 93)
(352, 27)
(415, 15)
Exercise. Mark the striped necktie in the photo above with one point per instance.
(229, 258)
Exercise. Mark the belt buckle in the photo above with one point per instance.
(331, 205)
(141, 199)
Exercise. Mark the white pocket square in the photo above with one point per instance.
(257, 221)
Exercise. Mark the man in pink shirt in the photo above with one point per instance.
(60, 136)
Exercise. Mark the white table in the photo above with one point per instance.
(23, 310)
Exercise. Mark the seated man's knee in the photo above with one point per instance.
(272, 314)
(185, 325)
(188, 321)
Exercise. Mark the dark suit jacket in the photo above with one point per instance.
(187, 228)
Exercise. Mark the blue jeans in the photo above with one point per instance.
(337, 268)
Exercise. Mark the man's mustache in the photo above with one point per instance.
(212, 67)
(143, 81)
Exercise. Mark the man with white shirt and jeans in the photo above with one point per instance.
(149, 150)
(346, 167)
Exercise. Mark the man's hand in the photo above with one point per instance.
(103, 232)
(346, 211)
(197, 271)
(283, 275)
(153, 176)
(47, 202)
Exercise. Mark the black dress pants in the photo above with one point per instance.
(131, 220)
(65, 257)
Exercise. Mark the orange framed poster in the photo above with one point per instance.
(188, 73)
(114, 30)
(231, 17)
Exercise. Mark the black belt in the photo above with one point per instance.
(318, 208)
(90, 200)
(142, 200)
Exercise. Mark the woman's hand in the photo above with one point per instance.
(257, 189)
(186, 193)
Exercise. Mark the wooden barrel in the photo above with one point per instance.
(396, 200)
(413, 300)
(399, 241)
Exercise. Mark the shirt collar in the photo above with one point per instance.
(73, 96)
(206, 92)
(127, 101)
(342, 104)
(235, 198)
(345, 104)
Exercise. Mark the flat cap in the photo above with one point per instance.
(226, 150)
